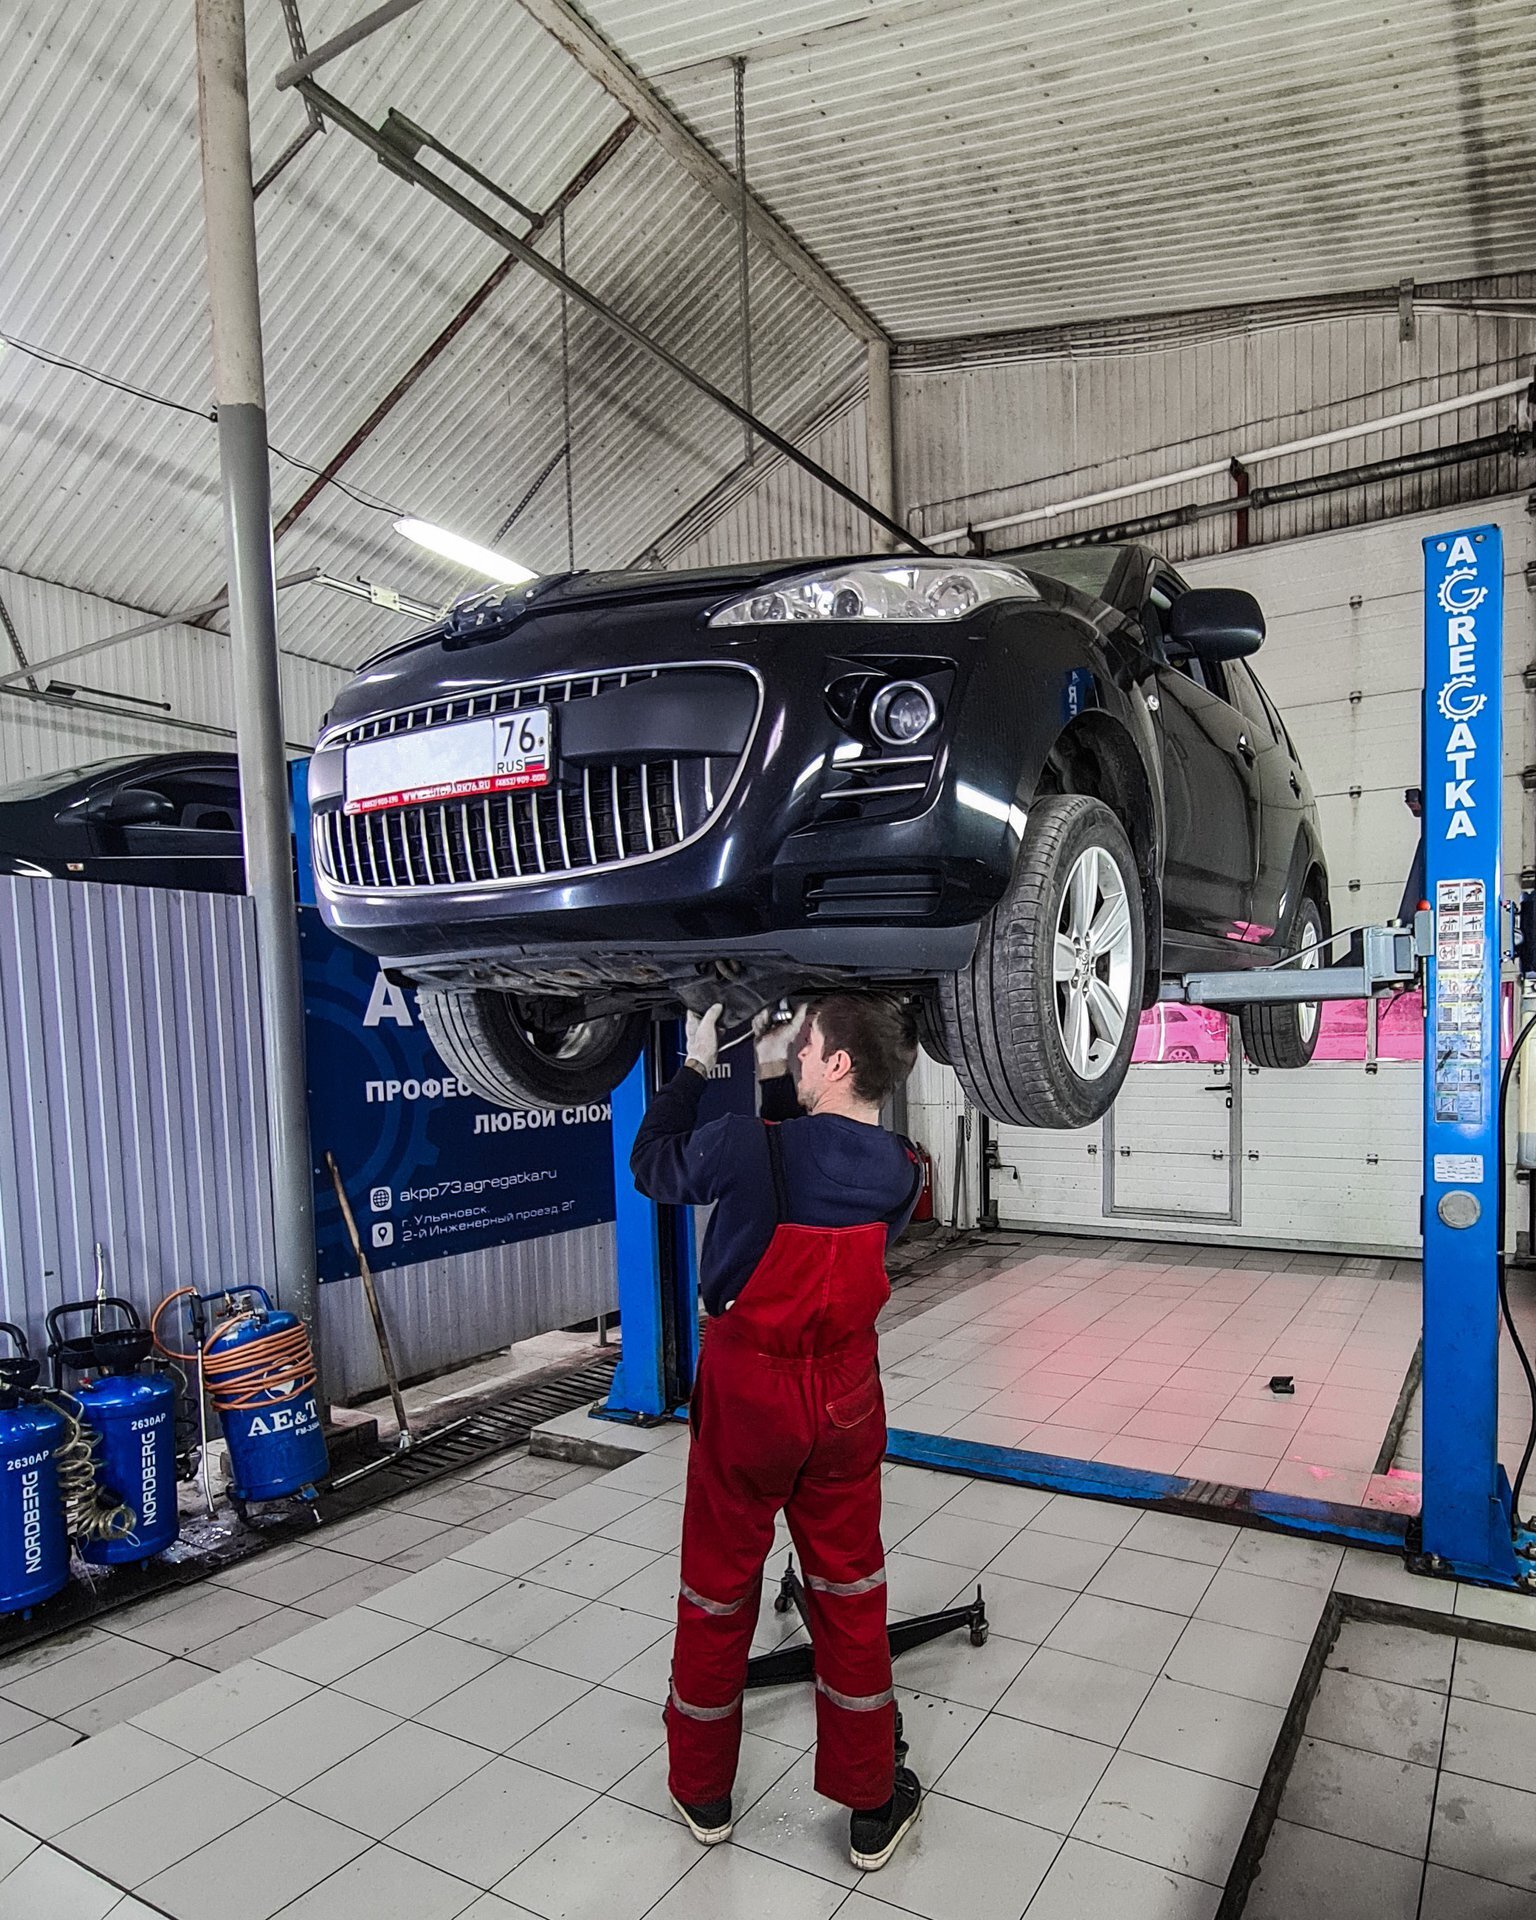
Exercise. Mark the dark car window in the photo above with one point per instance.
(206, 799)
(1250, 700)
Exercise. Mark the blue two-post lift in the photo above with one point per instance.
(1466, 1526)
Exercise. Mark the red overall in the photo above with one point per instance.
(787, 1413)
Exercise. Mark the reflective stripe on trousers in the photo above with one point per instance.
(854, 1702)
(847, 1588)
(705, 1713)
(722, 1609)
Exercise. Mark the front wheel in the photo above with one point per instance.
(518, 1052)
(1285, 1034)
(1040, 1026)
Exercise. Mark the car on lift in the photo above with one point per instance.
(1023, 790)
(143, 820)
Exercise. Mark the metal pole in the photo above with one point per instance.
(743, 259)
(229, 212)
(565, 412)
(880, 441)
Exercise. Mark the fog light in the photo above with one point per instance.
(902, 712)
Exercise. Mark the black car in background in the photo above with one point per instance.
(150, 820)
(1022, 790)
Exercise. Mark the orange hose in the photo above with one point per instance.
(274, 1366)
(172, 1353)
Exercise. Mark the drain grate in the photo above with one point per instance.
(478, 1436)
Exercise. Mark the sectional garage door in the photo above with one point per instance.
(1332, 1152)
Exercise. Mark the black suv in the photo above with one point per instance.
(1021, 789)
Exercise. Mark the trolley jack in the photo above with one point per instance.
(785, 1664)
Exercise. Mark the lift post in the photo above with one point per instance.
(657, 1268)
(1466, 1518)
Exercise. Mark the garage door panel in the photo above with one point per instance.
(1371, 840)
(1333, 1108)
(1375, 742)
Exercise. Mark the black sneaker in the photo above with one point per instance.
(873, 1837)
(708, 1825)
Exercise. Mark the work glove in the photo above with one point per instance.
(704, 1039)
(775, 1040)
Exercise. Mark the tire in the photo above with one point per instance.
(492, 1042)
(1180, 1056)
(930, 1030)
(1005, 1016)
(1285, 1035)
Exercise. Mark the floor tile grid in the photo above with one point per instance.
(84, 1682)
(1099, 1641)
(1145, 1366)
(1411, 1797)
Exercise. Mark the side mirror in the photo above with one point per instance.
(129, 807)
(1215, 623)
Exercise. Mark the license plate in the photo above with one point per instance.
(506, 753)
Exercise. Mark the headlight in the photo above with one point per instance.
(902, 712)
(880, 590)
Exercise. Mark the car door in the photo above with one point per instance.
(1210, 785)
(198, 845)
(1281, 800)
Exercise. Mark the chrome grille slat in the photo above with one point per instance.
(442, 834)
(618, 816)
(517, 858)
(424, 840)
(490, 839)
(645, 809)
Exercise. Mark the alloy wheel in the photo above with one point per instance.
(1093, 953)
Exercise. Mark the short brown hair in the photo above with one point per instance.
(878, 1034)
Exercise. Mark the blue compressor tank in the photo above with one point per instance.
(34, 1550)
(261, 1377)
(134, 1418)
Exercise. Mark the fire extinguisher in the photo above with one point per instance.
(924, 1208)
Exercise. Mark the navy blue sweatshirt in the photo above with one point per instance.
(837, 1173)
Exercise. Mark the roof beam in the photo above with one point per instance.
(613, 73)
(377, 415)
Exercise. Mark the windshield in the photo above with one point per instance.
(1086, 568)
(42, 784)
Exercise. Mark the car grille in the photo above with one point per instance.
(589, 818)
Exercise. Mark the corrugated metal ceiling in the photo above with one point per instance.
(961, 167)
(975, 164)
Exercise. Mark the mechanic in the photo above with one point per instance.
(787, 1411)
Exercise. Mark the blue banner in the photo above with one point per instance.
(429, 1168)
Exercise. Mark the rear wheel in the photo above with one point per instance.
(1041, 1024)
(930, 1030)
(1285, 1035)
(518, 1052)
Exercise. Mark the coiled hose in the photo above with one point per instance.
(90, 1512)
(257, 1373)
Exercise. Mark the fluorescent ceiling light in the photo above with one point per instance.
(453, 546)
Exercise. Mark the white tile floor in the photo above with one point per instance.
(481, 1738)
(1140, 1363)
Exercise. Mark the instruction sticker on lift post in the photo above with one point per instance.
(502, 753)
(1461, 934)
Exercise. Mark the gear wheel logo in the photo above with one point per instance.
(1453, 598)
(1456, 703)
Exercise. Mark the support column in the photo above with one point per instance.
(880, 438)
(229, 213)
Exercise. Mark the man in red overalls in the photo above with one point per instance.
(787, 1412)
